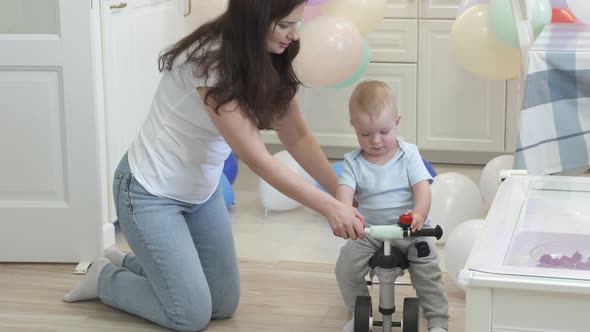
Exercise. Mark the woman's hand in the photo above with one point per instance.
(347, 222)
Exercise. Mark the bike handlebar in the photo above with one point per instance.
(436, 232)
(392, 232)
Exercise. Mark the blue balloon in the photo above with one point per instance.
(337, 167)
(226, 189)
(429, 168)
(230, 168)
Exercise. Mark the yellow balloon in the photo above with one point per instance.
(478, 50)
(365, 14)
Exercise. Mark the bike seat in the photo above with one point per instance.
(395, 259)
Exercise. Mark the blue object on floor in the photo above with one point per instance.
(337, 167)
(226, 189)
(429, 168)
(230, 168)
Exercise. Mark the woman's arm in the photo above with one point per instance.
(245, 140)
(302, 146)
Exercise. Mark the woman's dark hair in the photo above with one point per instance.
(263, 84)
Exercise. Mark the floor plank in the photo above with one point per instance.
(276, 296)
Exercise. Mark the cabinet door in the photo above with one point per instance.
(326, 109)
(394, 41)
(131, 45)
(401, 9)
(456, 110)
(443, 9)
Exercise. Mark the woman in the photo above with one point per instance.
(220, 85)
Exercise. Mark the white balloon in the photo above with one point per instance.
(459, 245)
(489, 180)
(274, 200)
(580, 9)
(285, 157)
(455, 198)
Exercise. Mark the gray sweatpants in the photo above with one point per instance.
(353, 265)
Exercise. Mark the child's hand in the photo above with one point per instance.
(417, 221)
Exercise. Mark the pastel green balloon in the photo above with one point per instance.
(541, 15)
(503, 23)
(358, 74)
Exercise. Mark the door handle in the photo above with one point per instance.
(119, 5)
(190, 8)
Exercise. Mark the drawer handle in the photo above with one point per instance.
(119, 5)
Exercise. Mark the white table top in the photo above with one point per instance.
(532, 216)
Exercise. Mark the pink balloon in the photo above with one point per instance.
(465, 4)
(311, 12)
(316, 2)
(331, 51)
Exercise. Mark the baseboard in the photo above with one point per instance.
(460, 157)
(108, 235)
(437, 157)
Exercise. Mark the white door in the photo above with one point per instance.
(52, 170)
(134, 32)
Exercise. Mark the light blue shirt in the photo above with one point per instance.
(384, 192)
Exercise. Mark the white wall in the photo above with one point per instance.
(202, 11)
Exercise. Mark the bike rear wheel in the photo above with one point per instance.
(411, 315)
(363, 314)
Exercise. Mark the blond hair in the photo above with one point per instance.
(372, 96)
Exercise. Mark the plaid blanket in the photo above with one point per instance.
(554, 125)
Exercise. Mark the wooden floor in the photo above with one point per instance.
(276, 296)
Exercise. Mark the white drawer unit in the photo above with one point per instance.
(444, 108)
(401, 9)
(394, 41)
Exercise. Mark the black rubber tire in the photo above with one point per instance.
(411, 315)
(363, 312)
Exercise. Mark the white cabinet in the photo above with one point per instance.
(394, 41)
(444, 108)
(133, 34)
(433, 9)
(393, 60)
(326, 109)
(521, 265)
(457, 111)
(401, 9)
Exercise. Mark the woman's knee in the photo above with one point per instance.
(227, 306)
(191, 315)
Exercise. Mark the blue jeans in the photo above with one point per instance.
(184, 272)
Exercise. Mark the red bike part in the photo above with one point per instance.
(405, 219)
